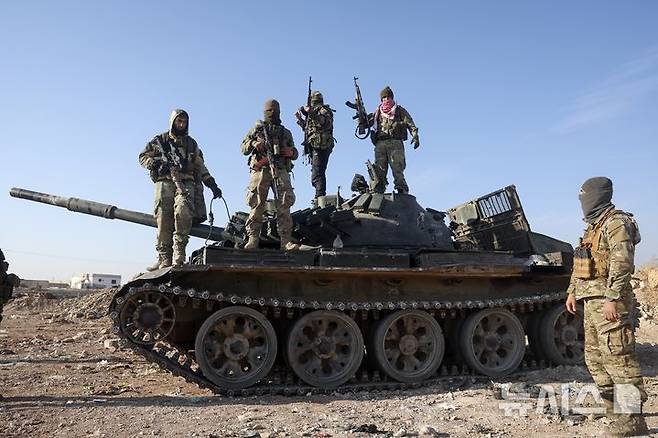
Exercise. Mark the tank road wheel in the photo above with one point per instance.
(563, 336)
(147, 317)
(235, 347)
(408, 345)
(325, 348)
(492, 342)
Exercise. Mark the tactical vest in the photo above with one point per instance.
(318, 136)
(276, 135)
(393, 128)
(200, 213)
(591, 258)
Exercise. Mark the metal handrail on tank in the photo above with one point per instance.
(108, 211)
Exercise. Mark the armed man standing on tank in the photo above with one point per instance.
(7, 282)
(391, 123)
(601, 278)
(271, 150)
(176, 166)
(317, 123)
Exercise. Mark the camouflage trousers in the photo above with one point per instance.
(319, 161)
(610, 348)
(173, 214)
(390, 152)
(260, 183)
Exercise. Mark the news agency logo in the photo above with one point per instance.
(585, 400)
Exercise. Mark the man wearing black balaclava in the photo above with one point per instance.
(601, 279)
(269, 139)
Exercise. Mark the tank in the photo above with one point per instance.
(386, 294)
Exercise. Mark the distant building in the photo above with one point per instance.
(95, 281)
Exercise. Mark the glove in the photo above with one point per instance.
(214, 188)
(415, 141)
(164, 169)
(154, 163)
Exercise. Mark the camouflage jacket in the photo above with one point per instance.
(191, 157)
(320, 128)
(279, 136)
(396, 127)
(616, 258)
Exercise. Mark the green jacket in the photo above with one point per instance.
(320, 127)
(616, 249)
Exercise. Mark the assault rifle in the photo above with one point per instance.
(372, 173)
(307, 146)
(272, 159)
(362, 129)
(171, 163)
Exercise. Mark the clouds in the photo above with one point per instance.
(615, 95)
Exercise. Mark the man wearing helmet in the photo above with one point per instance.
(317, 123)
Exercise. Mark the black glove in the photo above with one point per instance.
(214, 188)
(154, 164)
(415, 141)
(164, 169)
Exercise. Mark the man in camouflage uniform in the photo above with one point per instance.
(7, 282)
(281, 145)
(176, 165)
(603, 265)
(317, 122)
(391, 123)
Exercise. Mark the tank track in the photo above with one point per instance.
(282, 381)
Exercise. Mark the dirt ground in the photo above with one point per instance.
(58, 377)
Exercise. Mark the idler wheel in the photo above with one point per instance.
(492, 342)
(563, 336)
(408, 345)
(235, 347)
(325, 348)
(147, 317)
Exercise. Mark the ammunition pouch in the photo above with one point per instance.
(583, 263)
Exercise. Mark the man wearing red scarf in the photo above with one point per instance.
(391, 123)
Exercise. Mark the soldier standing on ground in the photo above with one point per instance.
(391, 123)
(7, 282)
(176, 165)
(317, 122)
(601, 278)
(270, 135)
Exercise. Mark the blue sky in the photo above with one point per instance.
(542, 95)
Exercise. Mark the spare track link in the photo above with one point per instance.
(281, 381)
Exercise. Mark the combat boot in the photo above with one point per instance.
(252, 243)
(163, 261)
(179, 255)
(155, 266)
(289, 246)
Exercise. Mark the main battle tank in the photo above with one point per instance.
(385, 295)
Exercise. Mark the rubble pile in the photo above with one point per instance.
(93, 306)
(32, 301)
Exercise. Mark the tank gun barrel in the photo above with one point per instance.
(108, 211)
